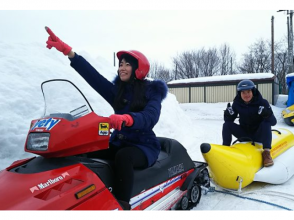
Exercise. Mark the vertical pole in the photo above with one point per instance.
(231, 65)
(273, 52)
(291, 69)
(176, 71)
(114, 59)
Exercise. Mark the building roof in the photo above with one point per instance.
(227, 78)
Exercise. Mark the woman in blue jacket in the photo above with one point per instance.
(137, 105)
(255, 119)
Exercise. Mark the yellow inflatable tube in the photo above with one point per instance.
(288, 115)
(234, 167)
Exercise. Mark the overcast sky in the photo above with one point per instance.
(160, 34)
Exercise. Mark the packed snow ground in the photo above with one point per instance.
(25, 66)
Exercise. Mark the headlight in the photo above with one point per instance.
(38, 141)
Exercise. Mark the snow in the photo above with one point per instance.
(289, 75)
(25, 66)
(225, 78)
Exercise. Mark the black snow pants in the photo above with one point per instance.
(262, 135)
(126, 159)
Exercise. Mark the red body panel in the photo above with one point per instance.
(86, 134)
(51, 190)
(102, 201)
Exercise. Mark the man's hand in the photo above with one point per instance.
(229, 114)
(265, 112)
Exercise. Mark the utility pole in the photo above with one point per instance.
(114, 59)
(290, 40)
(273, 42)
(290, 58)
(176, 71)
(231, 65)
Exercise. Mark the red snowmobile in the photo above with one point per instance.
(64, 177)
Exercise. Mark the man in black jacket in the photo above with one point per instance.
(255, 119)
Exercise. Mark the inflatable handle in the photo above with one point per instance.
(276, 131)
(242, 139)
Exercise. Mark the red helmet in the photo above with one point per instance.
(143, 63)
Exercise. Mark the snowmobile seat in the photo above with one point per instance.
(172, 161)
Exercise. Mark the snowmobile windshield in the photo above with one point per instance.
(63, 99)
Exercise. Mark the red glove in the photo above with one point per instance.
(116, 121)
(54, 41)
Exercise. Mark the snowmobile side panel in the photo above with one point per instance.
(49, 190)
(104, 200)
(154, 194)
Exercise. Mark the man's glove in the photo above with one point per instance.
(116, 121)
(229, 113)
(54, 41)
(265, 112)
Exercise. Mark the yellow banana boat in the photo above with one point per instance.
(288, 115)
(237, 166)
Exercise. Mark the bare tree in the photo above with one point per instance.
(153, 69)
(258, 60)
(280, 67)
(184, 65)
(247, 65)
(210, 62)
(263, 55)
(197, 63)
(227, 60)
(194, 64)
(158, 71)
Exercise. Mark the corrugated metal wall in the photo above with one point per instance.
(220, 93)
(182, 94)
(197, 94)
(266, 91)
(214, 94)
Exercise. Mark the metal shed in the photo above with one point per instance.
(222, 88)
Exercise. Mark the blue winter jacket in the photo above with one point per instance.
(249, 119)
(140, 134)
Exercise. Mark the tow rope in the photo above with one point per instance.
(212, 189)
